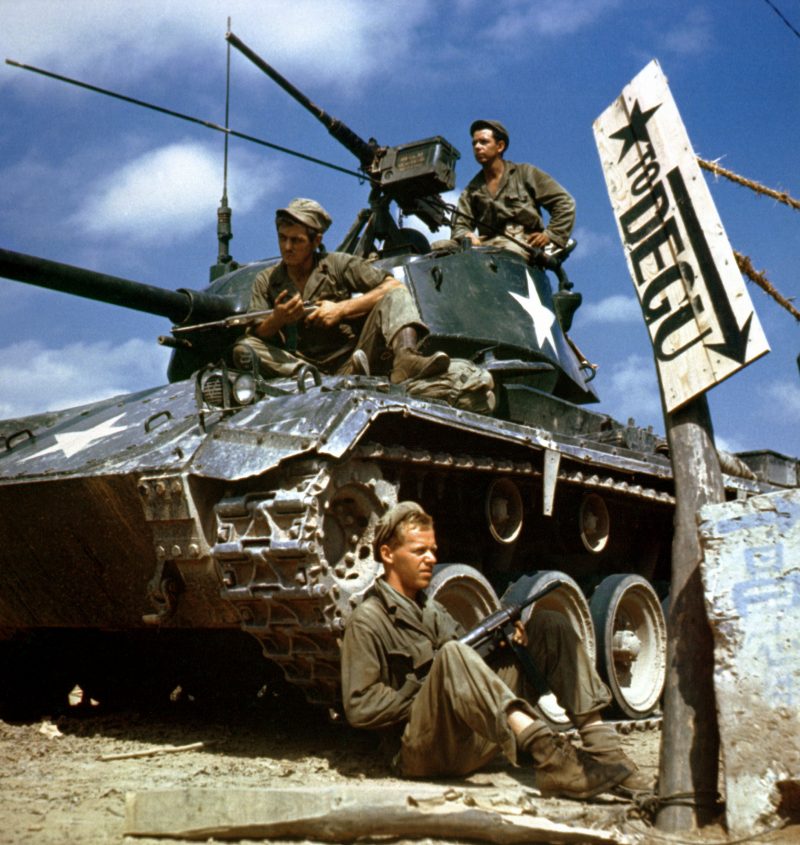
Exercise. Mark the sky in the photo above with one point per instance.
(102, 184)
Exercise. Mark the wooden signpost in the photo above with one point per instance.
(703, 328)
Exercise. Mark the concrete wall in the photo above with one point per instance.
(751, 575)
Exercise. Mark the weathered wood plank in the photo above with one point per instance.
(688, 771)
(343, 814)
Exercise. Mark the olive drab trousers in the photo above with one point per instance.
(458, 720)
(394, 311)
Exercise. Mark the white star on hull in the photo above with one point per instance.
(72, 442)
(543, 318)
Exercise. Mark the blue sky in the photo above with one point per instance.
(105, 185)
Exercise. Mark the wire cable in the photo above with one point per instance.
(780, 14)
(189, 118)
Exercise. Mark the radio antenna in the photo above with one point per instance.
(224, 214)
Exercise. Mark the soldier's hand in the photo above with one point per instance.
(326, 313)
(539, 239)
(520, 635)
(288, 309)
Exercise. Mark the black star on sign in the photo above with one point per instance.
(636, 130)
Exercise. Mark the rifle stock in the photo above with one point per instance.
(235, 320)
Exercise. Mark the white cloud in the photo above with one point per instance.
(520, 19)
(783, 400)
(128, 39)
(631, 388)
(590, 244)
(728, 444)
(612, 309)
(169, 193)
(34, 378)
(692, 35)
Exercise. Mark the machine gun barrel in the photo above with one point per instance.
(361, 149)
(179, 306)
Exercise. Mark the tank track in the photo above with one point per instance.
(442, 460)
(295, 559)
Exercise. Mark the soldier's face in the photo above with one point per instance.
(295, 244)
(409, 566)
(485, 146)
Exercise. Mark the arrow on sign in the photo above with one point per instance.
(734, 339)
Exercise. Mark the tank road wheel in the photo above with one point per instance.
(632, 637)
(466, 595)
(569, 601)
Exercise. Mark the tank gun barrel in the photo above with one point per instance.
(178, 306)
(361, 149)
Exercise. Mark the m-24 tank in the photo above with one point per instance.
(140, 536)
(138, 530)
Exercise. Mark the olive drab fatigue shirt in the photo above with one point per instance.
(388, 645)
(336, 276)
(523, 191)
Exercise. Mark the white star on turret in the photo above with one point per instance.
(543, 318)
(73, 441)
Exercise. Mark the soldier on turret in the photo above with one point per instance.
(375, 331)
(505, 200)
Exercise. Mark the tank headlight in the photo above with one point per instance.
(213, 391)
(244, 389)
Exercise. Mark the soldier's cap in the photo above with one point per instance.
(308, 213)
(390, 520)
(500, 132)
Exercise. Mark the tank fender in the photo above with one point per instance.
(330, 422)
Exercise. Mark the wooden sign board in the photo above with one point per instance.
(697, 309)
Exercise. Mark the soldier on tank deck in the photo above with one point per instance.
(403, 671)
(363, 320)
(506, 198)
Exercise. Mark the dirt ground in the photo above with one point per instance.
(56, 788)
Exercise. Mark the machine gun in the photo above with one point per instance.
(412, 175)
(498, 628)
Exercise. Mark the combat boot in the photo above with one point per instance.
(601, 742)
(408, 363)
(358, 365)
(563, 771)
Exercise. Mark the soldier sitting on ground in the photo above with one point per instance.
(375, 331)
(404, 670)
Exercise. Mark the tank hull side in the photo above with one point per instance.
(84, 553)
(74, 553)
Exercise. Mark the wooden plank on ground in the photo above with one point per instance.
(344, 813)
